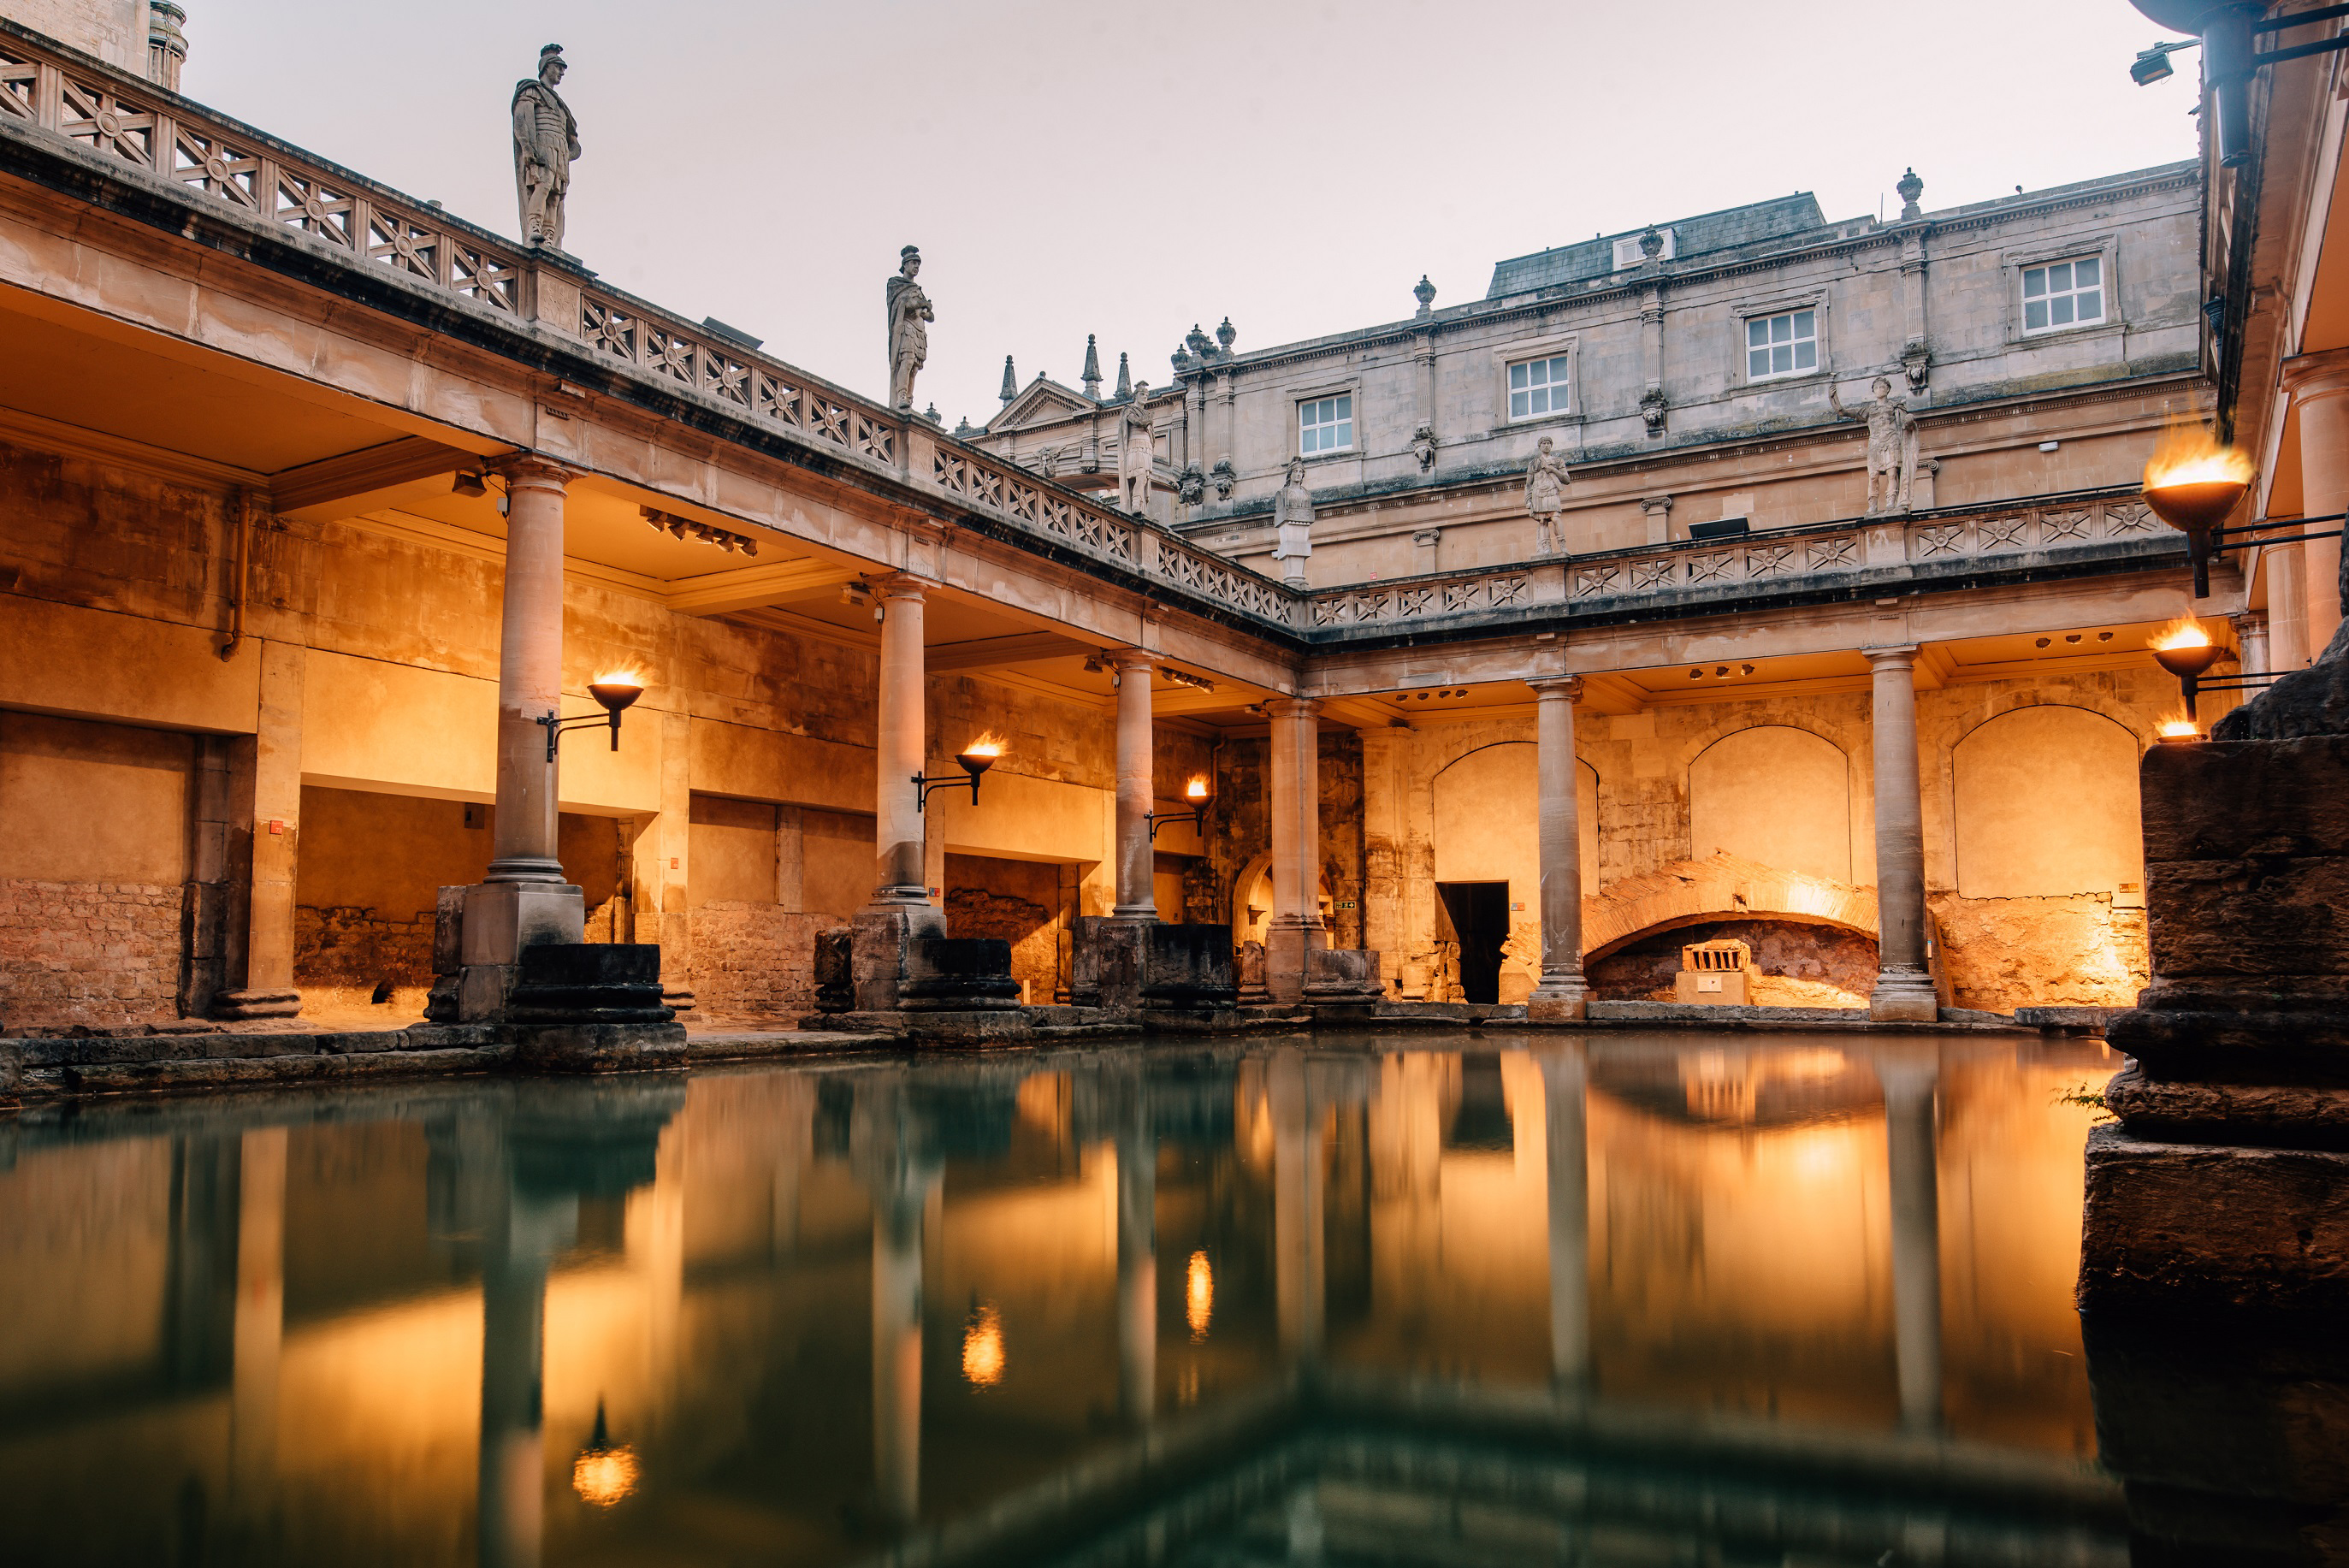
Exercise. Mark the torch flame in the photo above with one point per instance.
(2183, 632)
(1196, 790)
(621, 677)
(2189, 454)
(2180, 728)
(987, 744)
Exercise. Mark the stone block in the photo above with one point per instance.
(960, 974)
(881, 943)
(606, 1048)
(585, 983)
(1342, 981)
(835, 988)
(501, 919)
(1106, 962)
(2192, 1226)
(1188, 967)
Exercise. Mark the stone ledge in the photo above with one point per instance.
(259, 1072)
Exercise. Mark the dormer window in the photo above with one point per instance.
(1626, 251)
(1324, 424)
(2064, 293)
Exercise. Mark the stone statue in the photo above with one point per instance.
(909, 337)
(1223, 477)
(1292, 525)
(1191, 486)
(1423, 446)
(1546, 482)
(1133, 453)
(545, 141)
(1891, 445)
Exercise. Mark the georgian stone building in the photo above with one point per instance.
(301, 479)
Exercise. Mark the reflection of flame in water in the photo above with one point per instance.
(2183, 632)
(603, 1476)
(1199, 1295)
(982, 1347)
(2189, 454)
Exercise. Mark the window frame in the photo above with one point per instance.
(1509, 388)
(2102, 248)
(1563, 346)
(1353, 420)
(1817, 300)
(1794, 372)
(1670, 253)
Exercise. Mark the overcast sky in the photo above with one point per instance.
(1069, 166)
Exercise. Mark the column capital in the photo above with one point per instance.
(900, 585)
(1293, 707)
(1893, 656)
(2311, 376)
(1554, 689)
(1652, 504)
(1133, 659)
(533, 468)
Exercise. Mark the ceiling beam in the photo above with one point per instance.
(330, 480)
(756, 587)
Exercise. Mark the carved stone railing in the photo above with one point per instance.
(148, 131)
(1696, 572)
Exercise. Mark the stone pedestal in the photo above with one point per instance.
(503, 920)
(881, 952)
(2214, 1266)
(1188, 969)
(1106, 962)
(1342, 981)
(959, 991)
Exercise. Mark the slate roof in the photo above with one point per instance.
(1777, 218)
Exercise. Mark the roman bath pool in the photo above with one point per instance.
(1475, 1298)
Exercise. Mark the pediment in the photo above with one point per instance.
(1042, 403)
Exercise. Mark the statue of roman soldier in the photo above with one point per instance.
(545, 141)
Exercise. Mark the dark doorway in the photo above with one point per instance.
(1479, 913)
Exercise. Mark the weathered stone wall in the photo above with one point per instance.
(1794, 963)
(1017, 900)
(113, 30)
(752, 962)
(98, 955)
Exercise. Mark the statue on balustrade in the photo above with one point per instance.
(545, 141)
(1891, 445)
(1546, 482)
(1292, 525)
(909, 335)
(1134, 451)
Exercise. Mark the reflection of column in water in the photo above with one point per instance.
(1908, 1076)
(200, 1284)
(1296, 1205)
(1566, 1074)
(897, 1214)
(525, 1232)
(260, 1314)
(1137, 1271)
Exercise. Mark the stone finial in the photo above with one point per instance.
(1124, 378)
(166, 43)
(545, 144)
(963, 428)
(1197, 341)
(1226, 336)
(1424, 292)
(1010, 387)
(931, 414)
(1651, 243)
(1910, 188)
(1093, 376)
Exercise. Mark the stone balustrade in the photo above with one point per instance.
(1700, 576)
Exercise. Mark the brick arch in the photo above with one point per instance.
(1719, 887)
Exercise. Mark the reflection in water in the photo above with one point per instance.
(1773, 1301)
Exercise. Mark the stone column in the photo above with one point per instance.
(1295, 924)
(2252, 638)
(1904, 987)
(2287, 607)
(1562, 993)
(1566, 1072)
(1136, 899)
(2319, 385)
(1656, 511)
(897, 817)
(1426, 552)
(268, 830)
(1909, 1075)
(673, 862)
(522, 899)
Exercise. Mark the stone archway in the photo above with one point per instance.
(1251, 899)
(1639, 918)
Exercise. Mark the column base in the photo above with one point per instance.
(881, 951)
(1285, 947)
(1904, 996)
(501, 919)
(1558, 999)
(1142, 913)
(235, 1004)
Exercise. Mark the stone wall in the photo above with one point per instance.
(753, 962)
(1016, 900)
(96, 954)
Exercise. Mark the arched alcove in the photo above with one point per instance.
(1488, 832)
(1775, 796)
(2046, 805)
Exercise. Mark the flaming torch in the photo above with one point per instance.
(2185, 651)
(976, 758)
(616, 691)
(1196, 795)
(2192, 483)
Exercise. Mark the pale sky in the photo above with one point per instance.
(1069, 166)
